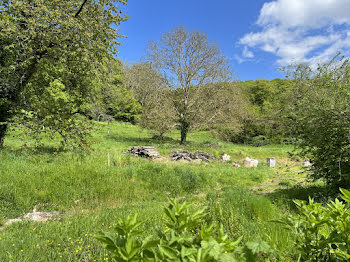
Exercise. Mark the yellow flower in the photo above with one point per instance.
(22, 250)
(0, 238)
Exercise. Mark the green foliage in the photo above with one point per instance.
(53, 108)
(43, 43)
(264, 116)
(110, 98)
(322, 232)
(186, 238)
(125, 107)
(89, 194)
(320, 115)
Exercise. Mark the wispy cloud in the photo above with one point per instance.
(309, 31)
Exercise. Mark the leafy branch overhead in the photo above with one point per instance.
(62, 41)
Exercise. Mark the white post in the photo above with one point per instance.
(271, 162)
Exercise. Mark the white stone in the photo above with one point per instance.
(306, 163)
(225, 157)
(248, 162)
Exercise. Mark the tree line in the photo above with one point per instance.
(59, 67)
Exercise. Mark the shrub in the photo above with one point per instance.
(322, 232)
(185, 238)
(318, 110)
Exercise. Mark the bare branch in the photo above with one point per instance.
(80, 9)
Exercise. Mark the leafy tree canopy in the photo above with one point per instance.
(53, 45)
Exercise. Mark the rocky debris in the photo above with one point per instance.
(236, 165)
(225, 157)
(182, 155)
(144, 151)
(248, 162)
(306, 163)
(34, 216)
(271, 162)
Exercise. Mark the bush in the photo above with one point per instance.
(185, 238)
(318, 110)
(259, 141)
(322, 232)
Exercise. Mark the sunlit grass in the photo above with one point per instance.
(90, 194)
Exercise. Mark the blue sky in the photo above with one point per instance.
(257, 36)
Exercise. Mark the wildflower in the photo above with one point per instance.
(22, 250)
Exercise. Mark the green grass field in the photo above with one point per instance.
(90, 195)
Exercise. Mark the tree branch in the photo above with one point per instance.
(80, 9)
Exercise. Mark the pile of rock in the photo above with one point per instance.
(182, 155)
(144, 151)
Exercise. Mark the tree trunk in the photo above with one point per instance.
(3, 129)
(4, 117)
(183, 136)
(184, 130)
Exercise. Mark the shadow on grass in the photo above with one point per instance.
(320, 193)
(37, 150)
(149, 141)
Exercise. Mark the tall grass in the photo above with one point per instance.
(90, 195)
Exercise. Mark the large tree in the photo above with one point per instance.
(188, 61)
(150, 89)
(69, 38)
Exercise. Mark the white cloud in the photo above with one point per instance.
(309, 31)
(247, 53)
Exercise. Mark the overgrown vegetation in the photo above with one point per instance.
(60, 81)
(90, 195)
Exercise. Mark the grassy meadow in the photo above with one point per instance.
(90, 195)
